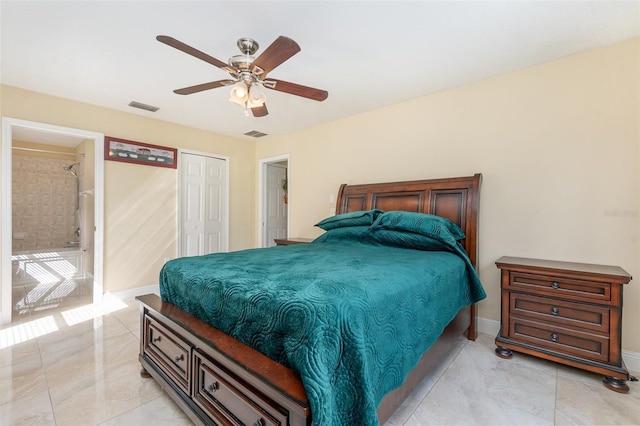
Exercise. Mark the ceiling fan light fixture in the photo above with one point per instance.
(239, 93)
(256, 96)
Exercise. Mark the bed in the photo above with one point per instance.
(354, 346)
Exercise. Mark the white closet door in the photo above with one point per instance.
(215, 184)
(203, 187)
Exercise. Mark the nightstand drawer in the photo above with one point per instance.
(554, 286)
(560, 339)
(567, 314)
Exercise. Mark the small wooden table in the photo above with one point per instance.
(290, 241)
(565, 312)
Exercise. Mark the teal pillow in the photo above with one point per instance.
(429, 225)
(359, 218)
(409, 240)
(346, 234)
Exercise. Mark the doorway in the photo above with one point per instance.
(90, 196)
(273, 198)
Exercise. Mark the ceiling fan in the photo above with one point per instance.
(249, 74)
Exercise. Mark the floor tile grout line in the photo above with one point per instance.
(44, 374)
(53, 412)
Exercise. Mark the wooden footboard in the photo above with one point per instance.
(215, 379)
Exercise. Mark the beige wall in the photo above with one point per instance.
(558, 146)
(140, 201)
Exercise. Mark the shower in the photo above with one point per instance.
(70, 168)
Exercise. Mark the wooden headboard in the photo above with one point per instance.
(457, 199)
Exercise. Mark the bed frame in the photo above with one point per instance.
(216, 379)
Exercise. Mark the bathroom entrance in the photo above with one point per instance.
(53, 249)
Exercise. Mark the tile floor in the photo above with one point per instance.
(77, 365)
(33, 298)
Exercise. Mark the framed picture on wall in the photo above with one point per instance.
(127, 151)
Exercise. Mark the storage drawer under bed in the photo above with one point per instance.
(230, 400)
(168, 349)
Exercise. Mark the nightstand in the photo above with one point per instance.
(291, 241)
(565, 312)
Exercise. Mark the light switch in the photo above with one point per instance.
(332, 211)
(332, 198)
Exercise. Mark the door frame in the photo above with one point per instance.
(263, 194)
(8, 124)
(227, 160)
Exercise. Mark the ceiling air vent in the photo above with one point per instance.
(255, 134)
(143, 106)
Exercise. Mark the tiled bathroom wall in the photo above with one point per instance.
(44, 203)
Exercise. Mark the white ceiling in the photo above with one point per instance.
(365, 54)
(46, 137)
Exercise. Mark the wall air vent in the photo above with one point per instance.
(255, 134)
(145, 107)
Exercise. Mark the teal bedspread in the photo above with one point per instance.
(351, 315)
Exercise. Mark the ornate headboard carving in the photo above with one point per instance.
(457, 199)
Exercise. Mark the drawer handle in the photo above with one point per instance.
(259, 422)
(554, 337)
(178, 358)
(554, 311)
(213, 387)
(555, 285)
(156, 339)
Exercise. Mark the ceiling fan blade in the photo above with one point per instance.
(260, 111)
(202, 87)
(279, 51)
(296, 89)
(170, 41)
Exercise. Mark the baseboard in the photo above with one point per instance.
(492, 327)
(133, 292)
(632, 361)
(487, 326)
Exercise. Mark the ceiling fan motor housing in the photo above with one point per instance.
(241, 62)
(248, 47)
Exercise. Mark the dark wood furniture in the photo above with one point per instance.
(216, 379)
(290, 241)
(566, 312)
